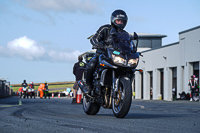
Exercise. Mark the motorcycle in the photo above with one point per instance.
(24, 92)
(112, 78)
(46, 93)
(31, 93)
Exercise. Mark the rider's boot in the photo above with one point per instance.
(84, 88)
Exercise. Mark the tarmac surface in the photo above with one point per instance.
(58, 115)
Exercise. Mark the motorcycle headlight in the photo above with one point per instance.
(132, 62)
(118, 60)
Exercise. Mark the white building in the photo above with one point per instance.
(167, 67)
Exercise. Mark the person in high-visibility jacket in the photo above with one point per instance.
(40, 89)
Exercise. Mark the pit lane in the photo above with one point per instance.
(58, 115)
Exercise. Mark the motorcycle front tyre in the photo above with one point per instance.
(89, 107)
(121, 109)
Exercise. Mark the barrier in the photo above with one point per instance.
(78, 96)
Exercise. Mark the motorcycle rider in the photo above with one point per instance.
(24, 84)
(24, 88)
(31, 89)
(31, 85)
(46, 85)
(101, 39)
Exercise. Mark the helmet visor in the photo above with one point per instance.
(119, 22)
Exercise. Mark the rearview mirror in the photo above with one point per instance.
(135, 36)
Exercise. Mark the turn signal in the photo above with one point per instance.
(102, 64)
(140, 70)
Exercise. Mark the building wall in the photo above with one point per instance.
(180, 55)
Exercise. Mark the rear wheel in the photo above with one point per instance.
(122, 103)
(89, 107)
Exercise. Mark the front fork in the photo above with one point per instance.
(115, 85)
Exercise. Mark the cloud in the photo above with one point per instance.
(28, 49)
(25, 48)
(85, 6)
(64, 56)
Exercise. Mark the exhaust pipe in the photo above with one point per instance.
(81, 84)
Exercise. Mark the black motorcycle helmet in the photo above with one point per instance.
(119, 14)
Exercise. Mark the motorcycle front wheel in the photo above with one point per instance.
(89, 107)
(122, 103)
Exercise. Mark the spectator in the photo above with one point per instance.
(78, 69)
(41, 88)
(193, 86)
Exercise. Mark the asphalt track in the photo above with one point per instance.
(57, 115)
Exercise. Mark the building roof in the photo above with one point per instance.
(189, 29)
(161, 47)
(141, 35)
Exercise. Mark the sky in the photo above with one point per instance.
(40, 40)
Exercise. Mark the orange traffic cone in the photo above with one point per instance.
(52, 95)
(78, 96)
(58, 94)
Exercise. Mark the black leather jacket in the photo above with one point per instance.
(78, 69)
(101, 38)
(24, 84)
